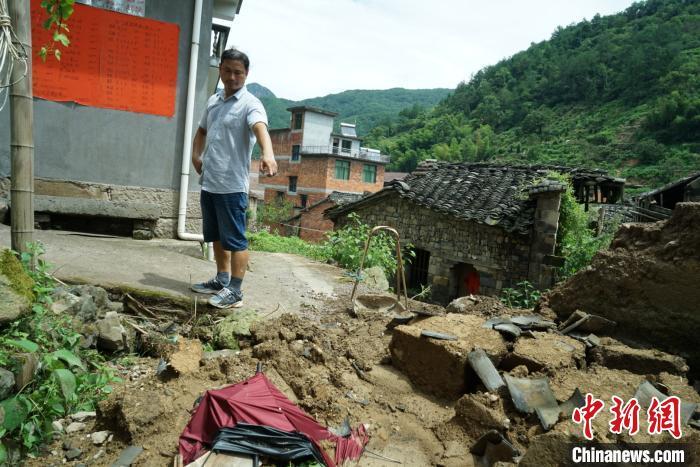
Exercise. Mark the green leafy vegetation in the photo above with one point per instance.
(58, 12)
(523, 295)
(276, 211)
(367, 108)
(266, 241)
(576, 241)
(68, 378)
(619, 92)
(344, 246)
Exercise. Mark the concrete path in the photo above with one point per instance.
(170, 266)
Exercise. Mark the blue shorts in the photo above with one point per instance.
(223, 219)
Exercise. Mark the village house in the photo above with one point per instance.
(481, 227)
(318, 167)
(114, 119)
(658, 204)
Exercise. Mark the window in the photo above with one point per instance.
(369, 173)
(297, 119)
(292, 184)
(347, 144)
(342, 170)
(280, 196)
(295, 152)
(303, 199)
(335, 145)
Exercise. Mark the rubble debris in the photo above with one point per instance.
(534, 395)
(73, 454)
(619, 356)
(493, 447)
(185, 359)
(584, 322)
(438, 335)
(375, 278)
(383, 304)
(75, 426)
(591, 340)
(228, 332)
(647, 282)
(478, 305)
(646, 391)
(82, 416)
(546, 350)
(485, 369)
(99, 437)
(508, 329)
(576, 400)
(441, 367)
(552, 449)
(476, 414)
(111, 333)
(128, 456)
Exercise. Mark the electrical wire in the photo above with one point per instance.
(9, 53)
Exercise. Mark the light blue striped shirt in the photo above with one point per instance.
(230, 140)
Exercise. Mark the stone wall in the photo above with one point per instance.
(502, 259)
(164, 227)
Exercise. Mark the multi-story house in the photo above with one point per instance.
(314, 161)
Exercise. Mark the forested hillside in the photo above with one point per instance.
(620, 92)
(367, 108)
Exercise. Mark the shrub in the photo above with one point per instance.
(346, 246)
(523, 295)
(265, 241)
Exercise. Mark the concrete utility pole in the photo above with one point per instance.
(21, 132)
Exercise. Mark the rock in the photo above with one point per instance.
(439, 366)
(4, 209)
(111, 334)
(12, 304)
(185, 359)
(82, 416)
(375, 278)
(546, 350)
(227, 332)
(621, 357)
(28, 366)
(57, 426)
(75, 426)
(461, 305)
(520, 371)
(142, 234)
(74, 453)
(223, 353)
(7, 383)
(99, 437)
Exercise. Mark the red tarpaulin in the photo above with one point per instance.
(257, 401)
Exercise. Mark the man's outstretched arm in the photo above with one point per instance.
(268, 163)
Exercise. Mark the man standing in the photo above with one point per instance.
(231, 123)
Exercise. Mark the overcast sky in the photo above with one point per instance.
(311, 48)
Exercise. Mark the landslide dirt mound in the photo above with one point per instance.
(648, 282)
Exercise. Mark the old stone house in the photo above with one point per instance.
(484, 225)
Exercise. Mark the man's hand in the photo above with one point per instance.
(200, 139)
(268, 165)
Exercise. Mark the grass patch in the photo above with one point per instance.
(265, 241)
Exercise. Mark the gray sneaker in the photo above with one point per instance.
(211, 287)
(227, 298)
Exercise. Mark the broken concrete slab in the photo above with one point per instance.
(441, 367)
(643, 361)
(546, 350)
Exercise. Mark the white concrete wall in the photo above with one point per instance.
(317, 129)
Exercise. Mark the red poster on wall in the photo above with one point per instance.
(114, 61)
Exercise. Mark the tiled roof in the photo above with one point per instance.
(497, 195)
(340, 197)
